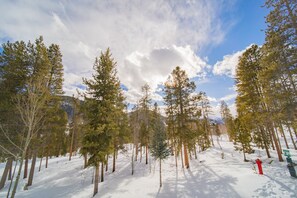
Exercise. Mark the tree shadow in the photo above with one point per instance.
(203, 183)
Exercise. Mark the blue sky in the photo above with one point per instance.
(147, 39)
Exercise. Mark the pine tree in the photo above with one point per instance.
(159, 147)
(228, 119)
(102, 104)
(178, 90)
(243, 137)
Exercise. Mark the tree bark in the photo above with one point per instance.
(102, 172)
(85, 161)
(160, 173)
(46, 160)
(18, 175)
(291, 135)
(265, 143)
(277, 146)
(10, 171)
(114, 160)
(106, 164)
(31, 175)
(96, 179)
(186, 156)
(283, 133)
(26, 165)
(39, 169)
(5, 172)
(146, 153)
(132, 162)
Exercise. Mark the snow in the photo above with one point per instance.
(208, 176)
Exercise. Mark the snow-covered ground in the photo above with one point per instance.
(208, 176)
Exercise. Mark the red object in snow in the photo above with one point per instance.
(259, 163)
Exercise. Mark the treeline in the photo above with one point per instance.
(34, 122)
(266, 78)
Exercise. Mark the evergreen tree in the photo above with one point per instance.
(102, 104)
(159, 147)
(178, 90)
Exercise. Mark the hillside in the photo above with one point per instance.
(208, 176)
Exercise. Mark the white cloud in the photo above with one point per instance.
(157, 34)
(153, 68)
(228, 65)
(228, 97)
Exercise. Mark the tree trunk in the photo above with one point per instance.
(182, 157)
(136, 151)
(96, 179)
(283, 133)
(46, 160)
(186, 156)
(291, 136)
(26, 165)
(102, 172)
(160, 173)
(5, 172)
(176, 153)
(85, 161)
(265, 143)
(278, 149)
(146, 153)
(14, 169)
(278, 139)
(39, 169)
(71, 145)
(114, 160)
(195, 151)
(106, 164)
(132, 162)
(140, 154)
(18, 175)
(31, 175)
(10, 171)
(271, 140)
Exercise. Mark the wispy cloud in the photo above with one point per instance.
(147, 38)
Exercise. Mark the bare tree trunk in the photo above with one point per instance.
(18, 175)
(265, 143)
(26, 165)
(160, 173)
(175, 156)
(86, 160)
(186, 156)
(102, 172)
(132, 162)
(96, 179)
(277, 146)
(195, 152)
(271, 140)
(278, 139)
(5, 172)
(46, 160)
(136, 151)
(10, 171)
(283, 133)
(14, 169)
(291, 136)
(182, 156)
(140, 154)
(146, 153)
(31, 175)
(106, 164)
(39, 169)
(114, 160)
(71, 145)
